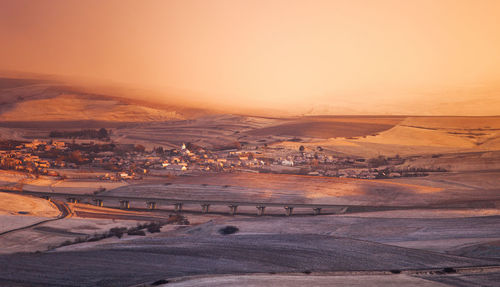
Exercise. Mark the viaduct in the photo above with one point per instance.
(178, 204)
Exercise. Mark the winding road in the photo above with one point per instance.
(63, 208)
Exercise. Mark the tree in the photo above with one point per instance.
(237, 145)
(102, 133)
(76, 157)
(378, 161)
(139, 148)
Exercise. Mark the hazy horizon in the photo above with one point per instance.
(291, 57)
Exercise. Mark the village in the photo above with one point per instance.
(129, 162)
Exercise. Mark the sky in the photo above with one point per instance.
(312, 57)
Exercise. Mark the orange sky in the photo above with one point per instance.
(372, 56)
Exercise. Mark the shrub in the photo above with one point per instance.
(117, 231)
(228, 230)
(159, 282)
(79, 240)
(378, 161)
(136, 232)
(154, 227)
(449, 270)
(97, 237)
(67, 242)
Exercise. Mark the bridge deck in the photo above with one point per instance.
(172, 201)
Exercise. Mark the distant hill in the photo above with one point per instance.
(44, 100)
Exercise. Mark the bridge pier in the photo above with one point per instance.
(288, 210)
(317, 210)
(73, 200)
(99, 202)
(178, 207)
(260, 210)
(151, 204)
(205, 207)
(232, 209)
(124, 204)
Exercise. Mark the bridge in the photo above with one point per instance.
(153, 203)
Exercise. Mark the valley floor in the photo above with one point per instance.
(276, 248)
(437, 230)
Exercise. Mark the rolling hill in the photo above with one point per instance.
(24, 100)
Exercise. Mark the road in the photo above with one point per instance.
(63, 208)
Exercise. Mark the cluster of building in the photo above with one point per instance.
(122, 161)
(185, 160)
(24, 157)
(127, 161)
